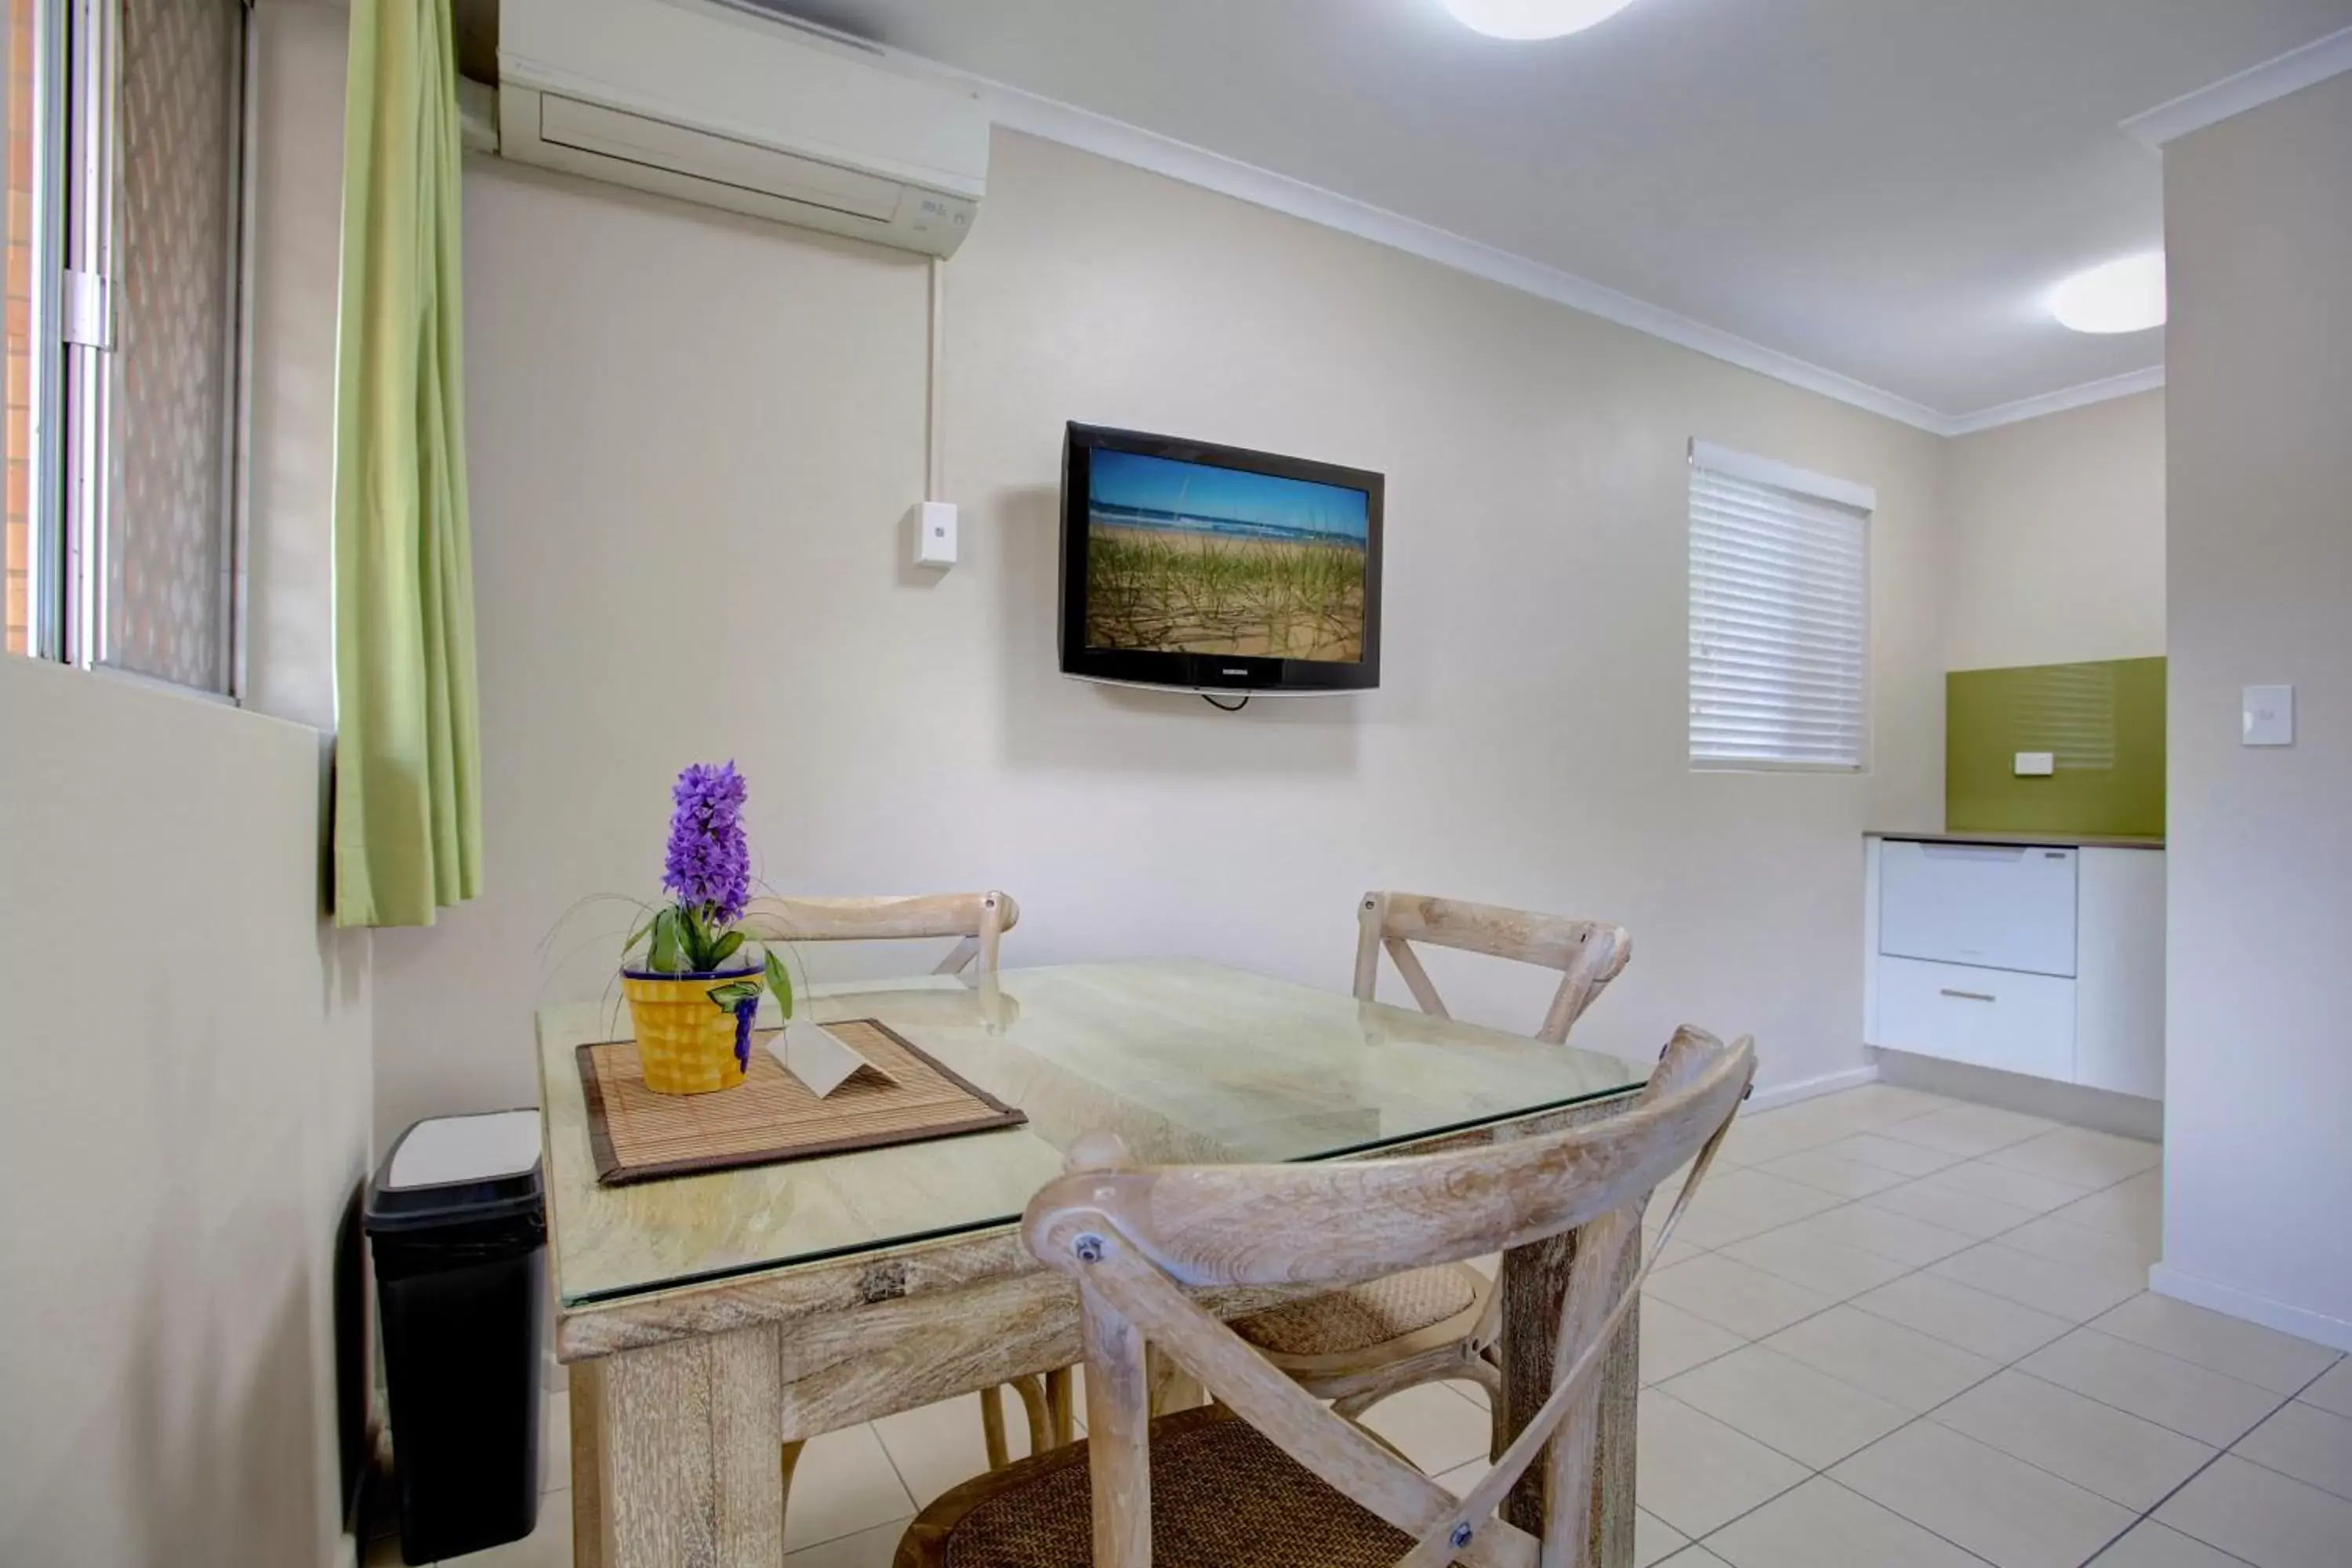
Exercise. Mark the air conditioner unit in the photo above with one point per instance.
(731, 109)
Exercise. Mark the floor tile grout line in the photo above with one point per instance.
(1916, 1269)
(2228, 1450)
(2141, 1517)
(1822, 1475)
(2291, 1399)
(1928, 1415)
(1811, 1471)
(913, 1507)
(2180, 1361)
(2149, 1517)
(892, 1460)
(1922, 1416)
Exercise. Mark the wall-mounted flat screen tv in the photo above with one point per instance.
(1214, 568)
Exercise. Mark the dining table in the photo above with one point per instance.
(708, 1320)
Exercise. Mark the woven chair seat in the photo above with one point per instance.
(1361, 1316)
(1223, 1496)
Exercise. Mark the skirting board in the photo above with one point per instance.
(1781, 1094)
(2303, 1323)
(2125, 1115)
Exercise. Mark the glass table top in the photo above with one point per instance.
(1189, 1063)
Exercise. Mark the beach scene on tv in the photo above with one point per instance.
(1187, 558)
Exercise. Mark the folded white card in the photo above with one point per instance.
(820, 1058)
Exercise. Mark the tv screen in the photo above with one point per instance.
(1217, 568)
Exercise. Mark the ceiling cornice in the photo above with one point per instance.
(2249, 88)
(1090, 132)
(1019, 109)
(2127, 385)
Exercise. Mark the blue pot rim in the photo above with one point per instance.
(744, 973)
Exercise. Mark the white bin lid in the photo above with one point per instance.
(451, 1149)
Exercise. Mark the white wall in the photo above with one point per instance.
(189, 1106)
(2258, 1170)
(692, 440)
(186, 1112)
(2055, 538)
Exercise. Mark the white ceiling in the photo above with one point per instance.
(1881, 188)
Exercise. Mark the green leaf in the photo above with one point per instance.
(726, 996)
(667, 956)
(637, 936)
(724, 949)
(780, 984)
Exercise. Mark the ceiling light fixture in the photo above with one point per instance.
(2125, 296)
(1524, 19)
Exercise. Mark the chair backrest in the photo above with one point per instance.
(1588, 954)
(979, 919)
(1135, 1237)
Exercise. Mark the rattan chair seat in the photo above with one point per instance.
(1223, 1496)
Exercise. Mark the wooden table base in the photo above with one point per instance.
(682, 1402)
(680, 1451)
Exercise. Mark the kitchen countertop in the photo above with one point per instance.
(2054, 840)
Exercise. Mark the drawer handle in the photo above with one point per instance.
(1969, 995)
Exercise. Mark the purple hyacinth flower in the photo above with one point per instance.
(708, 860)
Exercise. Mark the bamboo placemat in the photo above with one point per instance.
(771, 1117)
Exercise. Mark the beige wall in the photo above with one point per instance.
(693, 439)
(2258, 1172)
(185, 1114)
(2055, 538)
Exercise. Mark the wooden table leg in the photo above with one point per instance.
(1535, 1284)
(587, 1480)
(686, 1434)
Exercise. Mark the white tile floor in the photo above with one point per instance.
(1896, 1330)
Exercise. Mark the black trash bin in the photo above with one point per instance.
(456, 1217)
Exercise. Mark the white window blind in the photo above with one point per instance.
(1780, 615)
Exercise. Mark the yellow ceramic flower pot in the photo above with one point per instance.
(686, 1042)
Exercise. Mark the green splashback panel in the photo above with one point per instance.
(2106, 723)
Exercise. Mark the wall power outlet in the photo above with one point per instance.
(935, 533)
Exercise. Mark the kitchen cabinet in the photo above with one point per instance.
(2043, 957)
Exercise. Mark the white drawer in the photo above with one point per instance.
(1993, 1017)
(1996, 906)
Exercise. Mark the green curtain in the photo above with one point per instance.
(408, 824)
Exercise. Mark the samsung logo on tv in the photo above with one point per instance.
(1237, 672)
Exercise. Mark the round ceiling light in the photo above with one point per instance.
(2125, 296)
(1532, 19)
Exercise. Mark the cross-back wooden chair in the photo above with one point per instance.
(978, 921)
(1268, 1476)
(1589, 954)
(1358, 1346)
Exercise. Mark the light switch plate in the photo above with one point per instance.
(2269, 716)
(2035, 765)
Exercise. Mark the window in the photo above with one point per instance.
(1780, 615)
(125, 130)
(23, 115)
